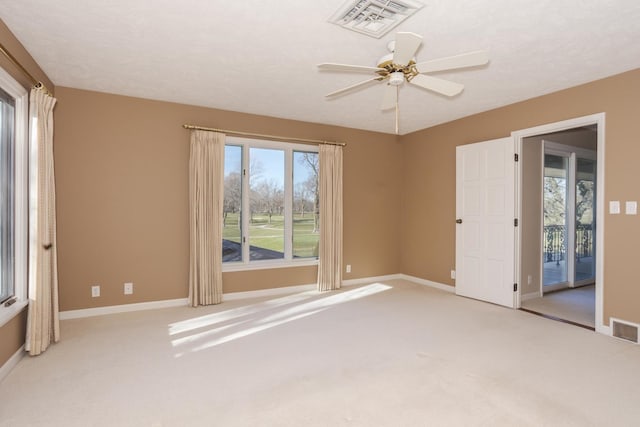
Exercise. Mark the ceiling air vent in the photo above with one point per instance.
(374, 18)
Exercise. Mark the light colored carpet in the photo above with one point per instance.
(577, 305)
(386, 354)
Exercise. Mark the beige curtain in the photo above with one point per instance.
(206, 195)
(43, 324)
(330, 256)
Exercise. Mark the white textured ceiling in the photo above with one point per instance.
(260, 56)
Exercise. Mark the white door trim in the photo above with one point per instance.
(599, 120)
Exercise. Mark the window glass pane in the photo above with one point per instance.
(305, 205)
(7, 195)
(585, 224)
(232, 223)
(556, 174)
(266, 205)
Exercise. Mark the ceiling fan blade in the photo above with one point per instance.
(352, 87)
(405, 47)
(444, 87)
(390, 97)
(470, 59)
(350, 68)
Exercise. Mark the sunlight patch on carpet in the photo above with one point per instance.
(250, 320)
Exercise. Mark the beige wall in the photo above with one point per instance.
(12, 333)
(12, 336)
(580, 137)
(531, 218)
(121, 174)
(428, 233)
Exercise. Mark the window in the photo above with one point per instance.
(270, 214)
(14, 195)
(7, 194)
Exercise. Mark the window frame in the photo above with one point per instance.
(21, 195)
(288, 260)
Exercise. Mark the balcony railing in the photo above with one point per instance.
(555, 238)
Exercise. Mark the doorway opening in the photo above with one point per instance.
(560, 177)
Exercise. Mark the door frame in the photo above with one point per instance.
(597, 119)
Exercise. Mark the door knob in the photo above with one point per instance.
(458, 221)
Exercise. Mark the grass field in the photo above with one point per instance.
(271, 236)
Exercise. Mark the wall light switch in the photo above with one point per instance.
(614, 207)
(631, 208)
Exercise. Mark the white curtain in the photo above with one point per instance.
(330, 253)
(43, 326)
(206, 196)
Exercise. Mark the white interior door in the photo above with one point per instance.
(485, 214)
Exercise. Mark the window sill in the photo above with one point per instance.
(8, 313)
(264, 265)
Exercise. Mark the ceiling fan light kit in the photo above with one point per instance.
(400, 66)
(396, 78)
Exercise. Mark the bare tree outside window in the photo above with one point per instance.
(232, 206)
(306, 200)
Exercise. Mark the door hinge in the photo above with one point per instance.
(515, 157)
(515, 222)
(244, 172)
(515, 287)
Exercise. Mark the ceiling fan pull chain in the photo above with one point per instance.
(397, 109)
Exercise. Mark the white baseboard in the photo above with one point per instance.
(530, 295)
(11, 363)
(605, 330)
(362, 281)
(441, 286)
(268, 292)
(301, 288)
(113, 309)
(181, 302)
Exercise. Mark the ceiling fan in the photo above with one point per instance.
(399, 66)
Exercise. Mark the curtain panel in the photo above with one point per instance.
(43, 325)
(206, 196)
(330, 250)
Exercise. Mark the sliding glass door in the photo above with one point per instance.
(585, 265)
(569, 221)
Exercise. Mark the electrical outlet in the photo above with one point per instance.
(348, 268)
(128, 288)
(95, 291)
(529, 279)
(453, 274)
